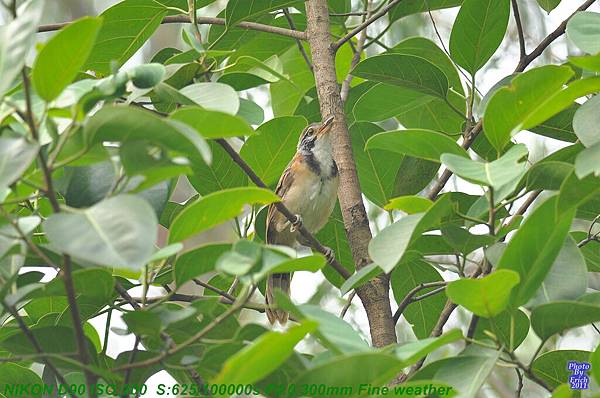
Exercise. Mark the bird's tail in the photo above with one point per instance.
(277, 282)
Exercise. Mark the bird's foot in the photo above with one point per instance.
(329, 254)
(296, 224)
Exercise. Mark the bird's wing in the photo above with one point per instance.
(275, 220)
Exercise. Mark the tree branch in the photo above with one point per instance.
(295, 34)
(365, 24)
(517, 15)
(374, 294)
(298, 41)
(409, 298)
(559, 31)
(314, 243)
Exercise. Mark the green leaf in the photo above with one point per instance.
(251, 112)
(552, 367)
(16, 154)
(409, 7)
(117, 232)
(534, 248)
(407, 71)
(125, 28)
(215, 209)
(588, 162)
(558, 316)
(16, 39)
(590, 251)
(559, 126)
(409, 204)
(213, 124)
(424, 144)
(213, 97)
(567, 279)
(595, 362)
(383, 101)
(464, 241)
(478, 31)
(548, 5)
(147, 75)
(333, 235)
(411, 353)
(423, 314)
(352, 370)
(510, 329)
(123, 124)
(414, 175)
(495, 174)
(221, 173)
(510, 106)
(584, 30)
(388, 247)
(53, 69)
(239, 10)
(468, 371)
(547, 175)
(486, 297)
(575, 192)
(12, 374)
(376, 169)
(271, 149)
(586, 122)
(361, 277)
(197, 262)
(263, 356)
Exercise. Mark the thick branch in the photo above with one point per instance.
(295, 34)
(314, 243)
(375, 294)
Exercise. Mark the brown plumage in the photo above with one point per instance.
(308, 188)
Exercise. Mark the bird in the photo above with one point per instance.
(308, 188)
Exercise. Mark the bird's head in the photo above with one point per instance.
(315, 134)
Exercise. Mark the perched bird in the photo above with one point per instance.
(308, 188)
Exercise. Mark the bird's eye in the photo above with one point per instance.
(310, 131)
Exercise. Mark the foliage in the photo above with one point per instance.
(94, 152)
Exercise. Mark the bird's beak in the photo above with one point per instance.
(326, 126)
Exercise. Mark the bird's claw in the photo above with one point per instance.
(296, 224)
(329, 254)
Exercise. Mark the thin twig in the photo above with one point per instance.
(312, 241)
(295, 34)
(410, 297)
(517, 15)
(365, 24)
(348, 304)
(345, 90)
(290, 21)
(214, 289)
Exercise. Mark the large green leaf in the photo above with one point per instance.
(591, 251)
(559, 126)
(263, 356)
(495, 174)
(239, 10)
(15, 376)
(408, 7)
(117, 232)
(125, 28)
(584, 30)
(213, 124)
(567, 279)
(269, 152)
(197, 262)
(389, 246)
(52, 70)
(374, 368)
(16, 154)
(376, 169)
(586, 122)
(424, 144)
(333, 235)
(510, 106)
(558, 316)
(552, 367)
(213, 96)
(486, 297)
(16, 39)
(533, 249)
(123, 124)
(403, 70)
(575, 192)
(215, 209)
(510, 328)
(221, 173)
(423, 314)
(414, 175)
(383, 101)
(478, 31)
